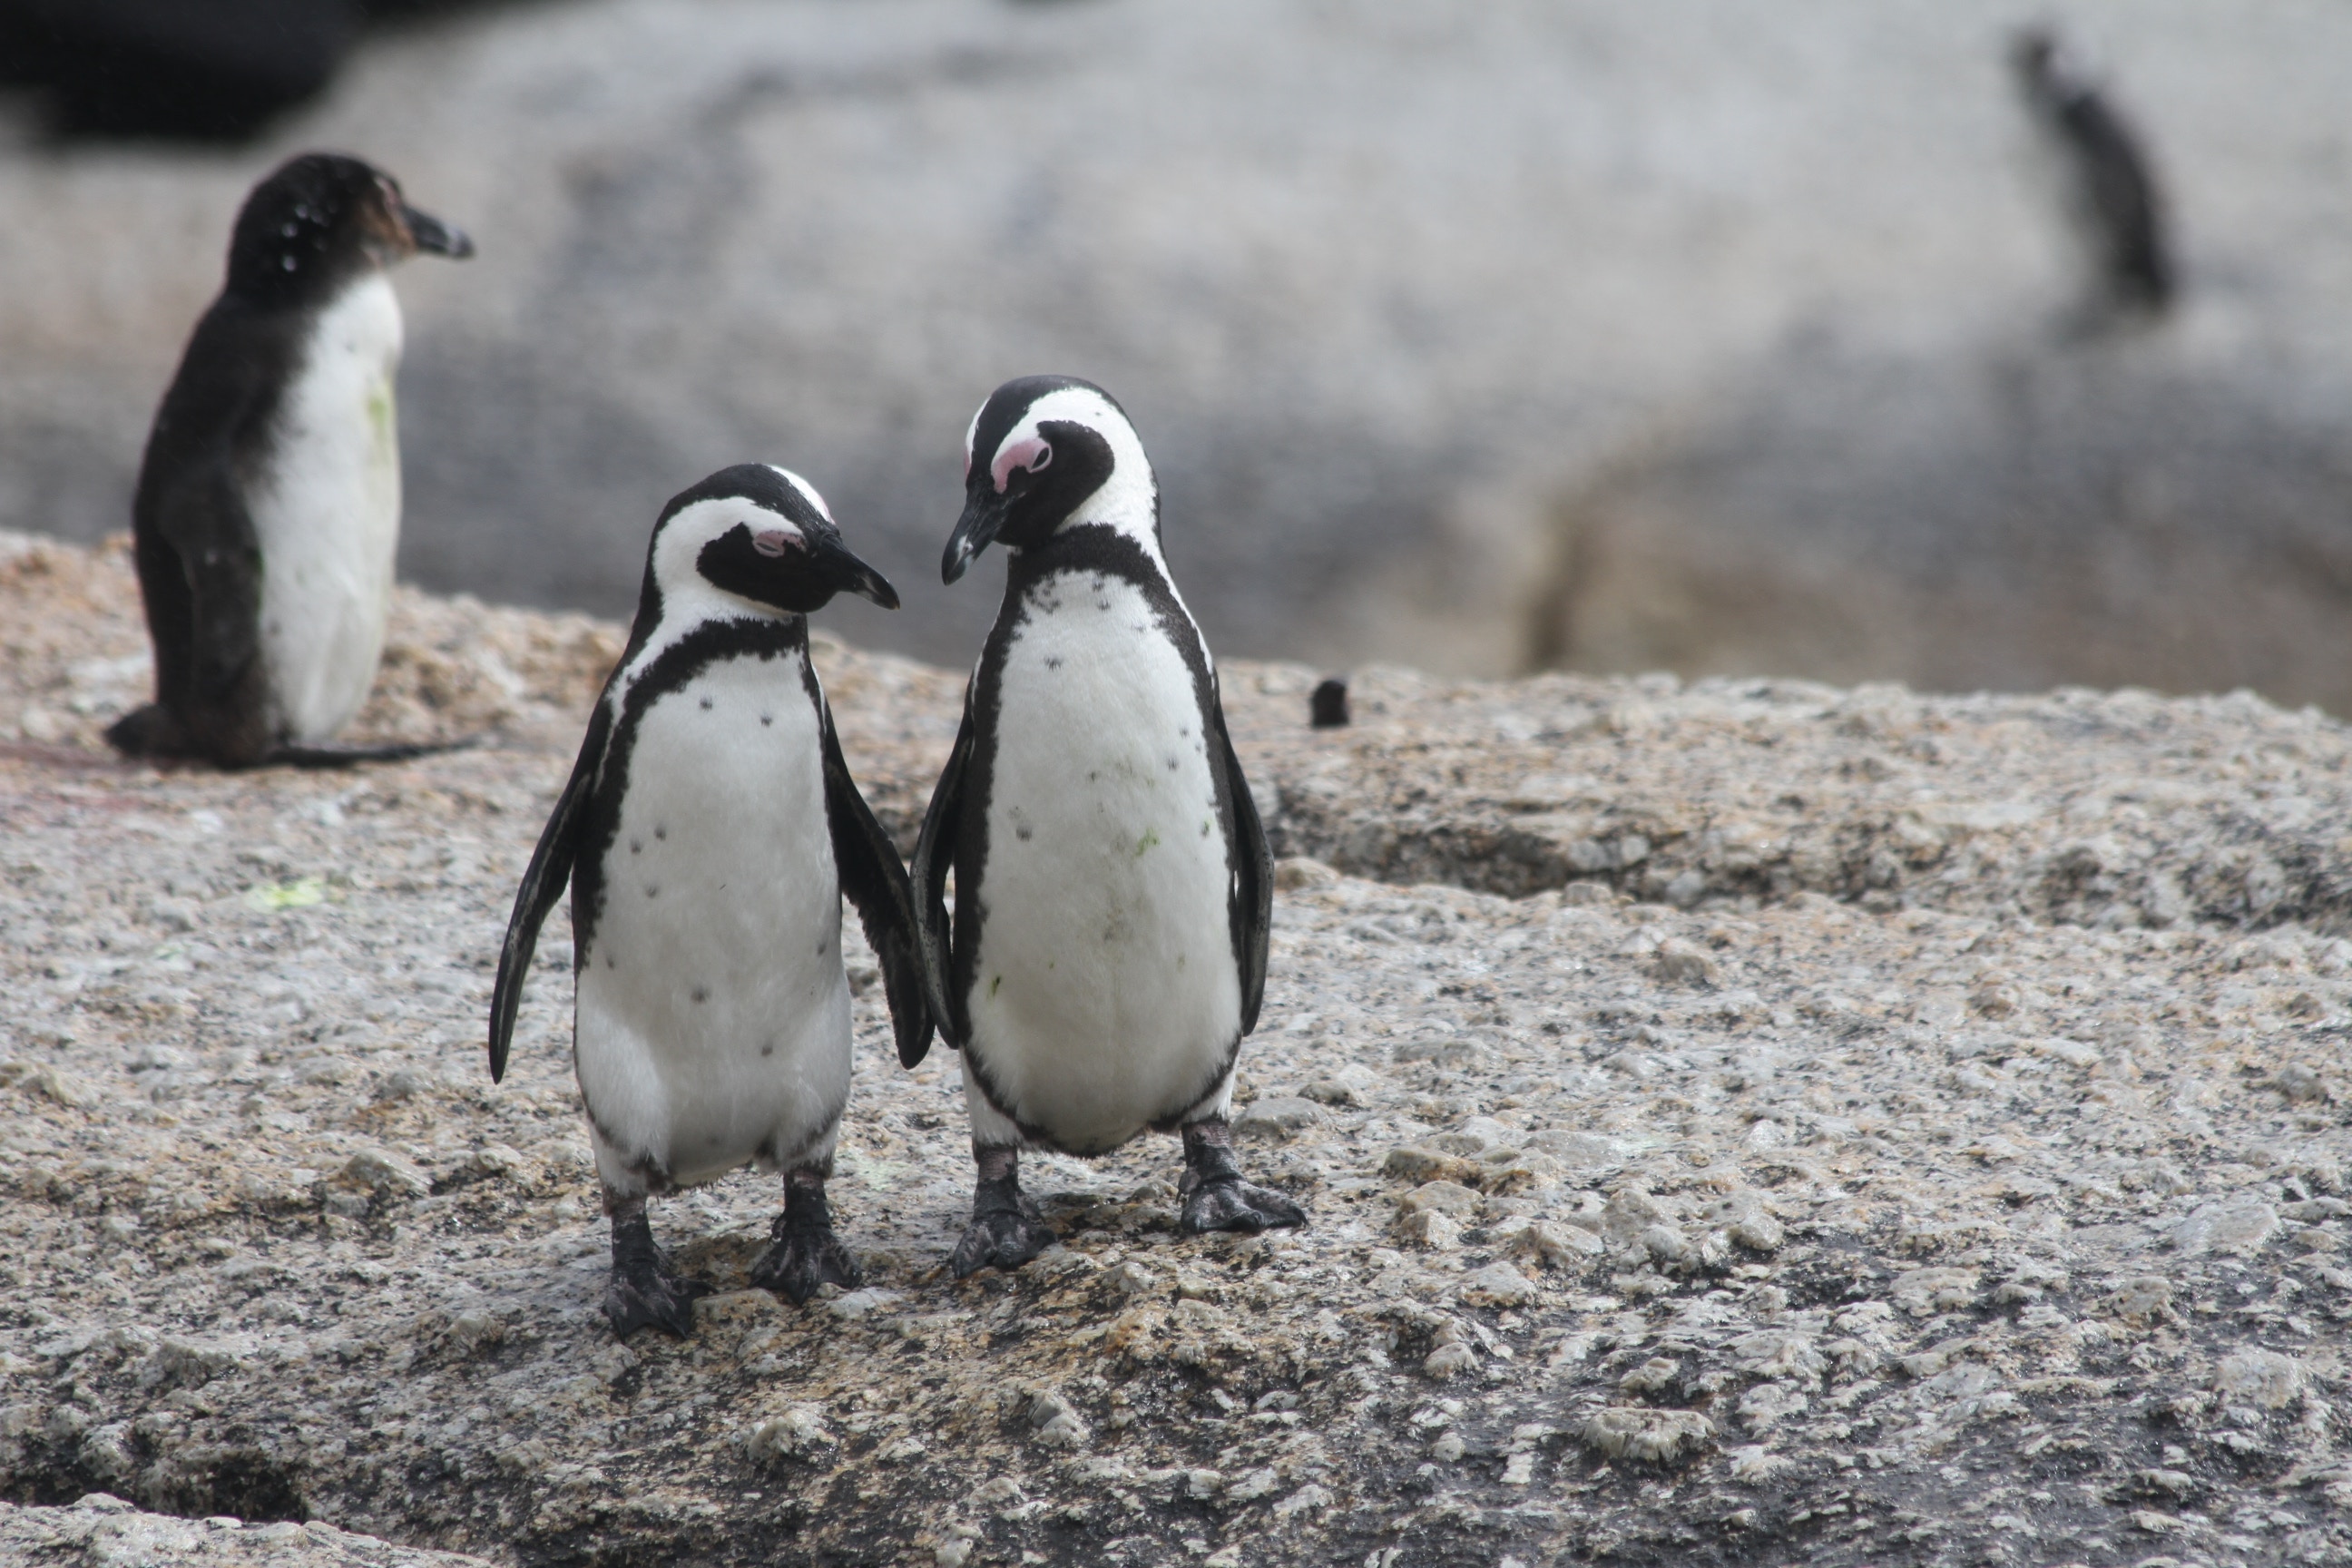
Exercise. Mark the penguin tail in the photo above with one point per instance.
(352, 756)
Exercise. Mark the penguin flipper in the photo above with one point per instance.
(935, 855)
(1250, 905)
(204, 586)
(550, 873)
(875, 880)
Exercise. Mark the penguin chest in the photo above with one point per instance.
(1104, 991)
(326, 512)
(713, 1012)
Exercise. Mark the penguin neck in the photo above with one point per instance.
(1128, 505)
(699, 622)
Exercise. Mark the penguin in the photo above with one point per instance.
(2108, 186)
(267, 511)
(709, 833)
(1107, 951)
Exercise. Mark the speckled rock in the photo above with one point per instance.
(1968, 1211)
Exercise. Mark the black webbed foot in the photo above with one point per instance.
(644, 1290)
(1215, 1196)
(803, 1252)
(1006, 1230)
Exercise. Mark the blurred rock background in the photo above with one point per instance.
(1691, 336)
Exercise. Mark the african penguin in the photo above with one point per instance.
(267, 511)
(709, 833)
(1113, 884)
(2107, 187)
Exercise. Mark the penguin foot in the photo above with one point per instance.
(1006, 1230)
(651, 1295)
(644, 1290)
(803, 1252)
(1236, 1205)
(1215, 1196)
(148, 732)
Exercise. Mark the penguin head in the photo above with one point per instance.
(753, 538)
(322, 220)
(1045, 453)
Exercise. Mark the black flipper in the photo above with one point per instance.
(1250, 904)
(935, 854)
(200, 578)
(542, 884)
(875, 881)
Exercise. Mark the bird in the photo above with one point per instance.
(708, 831)
(267, 509)
(1113, 884)
(2106, 179)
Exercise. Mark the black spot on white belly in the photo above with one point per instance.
(701, 994)
(1021, 832)
(660, 831)
(636, 845)
(822, 944)
(706, 705)
(1054, 662)
(653, 889)
(767, 718)
(769, 1049)
(1171, 764)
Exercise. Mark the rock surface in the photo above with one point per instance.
(1749, 1123)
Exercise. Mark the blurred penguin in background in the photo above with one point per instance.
(2107, 189)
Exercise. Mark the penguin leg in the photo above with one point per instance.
(803, 1252)
(1215, 1196)
(645, 1289)
(1006, 1230)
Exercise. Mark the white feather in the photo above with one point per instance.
(327, 516)
(713, 1023)
(1105, 990)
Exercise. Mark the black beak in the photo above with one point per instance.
(984, 515)
(845, 571)
(431, 234)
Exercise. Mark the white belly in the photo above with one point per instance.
(1105, 993)
(712, 1024)
(327, 520)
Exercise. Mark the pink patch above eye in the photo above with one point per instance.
(1031, 452)
(771, 541)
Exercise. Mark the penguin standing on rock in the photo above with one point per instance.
(709, 833)
(267, 512)
(1113, 884)
(2107, 182)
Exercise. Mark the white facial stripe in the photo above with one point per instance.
(971, 433)
(806, 490)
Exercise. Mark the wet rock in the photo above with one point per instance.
(1279, 1118)
(1650, 1436)
(2239, 1226)
(2267, 1380)
(1498, 1285)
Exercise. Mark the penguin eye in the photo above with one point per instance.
(1045, 455)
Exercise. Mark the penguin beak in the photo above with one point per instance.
(431, 234)
(983, 516)
(847, 572)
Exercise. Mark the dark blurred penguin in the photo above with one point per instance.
(267, 512)
(709, 834)
(2110, 195)
(1113, 884)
